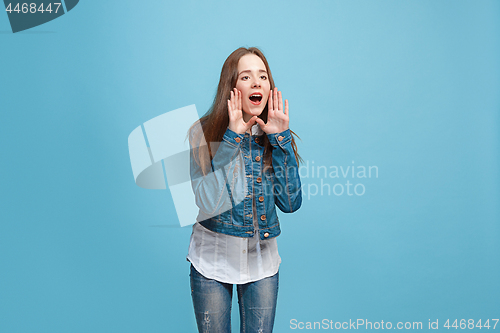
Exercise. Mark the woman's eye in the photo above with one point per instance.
(263, 77)
(245, 77)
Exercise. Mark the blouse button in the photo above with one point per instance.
(257, 158)
(266, 234)
(261, 199)
(237, 140)
(259, 179)
(280, 138)
(263, 217)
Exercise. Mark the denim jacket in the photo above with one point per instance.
(224, 196)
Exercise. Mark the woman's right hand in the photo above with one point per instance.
(236, 122)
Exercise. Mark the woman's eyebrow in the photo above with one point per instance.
(249, 71)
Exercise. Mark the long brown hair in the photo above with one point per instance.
(216, 120)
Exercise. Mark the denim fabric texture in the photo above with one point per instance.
(212, 304)
(238, 170)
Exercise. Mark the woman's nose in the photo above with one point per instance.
(255, 83)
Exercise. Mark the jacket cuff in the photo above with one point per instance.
(232, 138)
(280, 139)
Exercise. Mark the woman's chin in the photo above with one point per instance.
(253, 112)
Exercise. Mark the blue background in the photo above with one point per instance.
(408, 86)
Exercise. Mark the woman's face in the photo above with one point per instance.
(253, 82)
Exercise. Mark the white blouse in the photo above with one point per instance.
(232, 259)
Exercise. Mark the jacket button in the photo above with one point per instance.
(237, 140)
(263, 217)
(257, 158)
(257, 140)
(280, 138)
(259, 179)
(261, 199)
(266, 234)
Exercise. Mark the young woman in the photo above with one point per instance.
(243, 165)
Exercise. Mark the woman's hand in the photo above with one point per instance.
(277, 121)
(236, 122)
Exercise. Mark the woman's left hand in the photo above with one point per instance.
(277, 121)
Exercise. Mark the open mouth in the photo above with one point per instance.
(256, 98)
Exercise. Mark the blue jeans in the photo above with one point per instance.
(212, 304)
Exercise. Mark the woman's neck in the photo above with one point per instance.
(246, 118)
